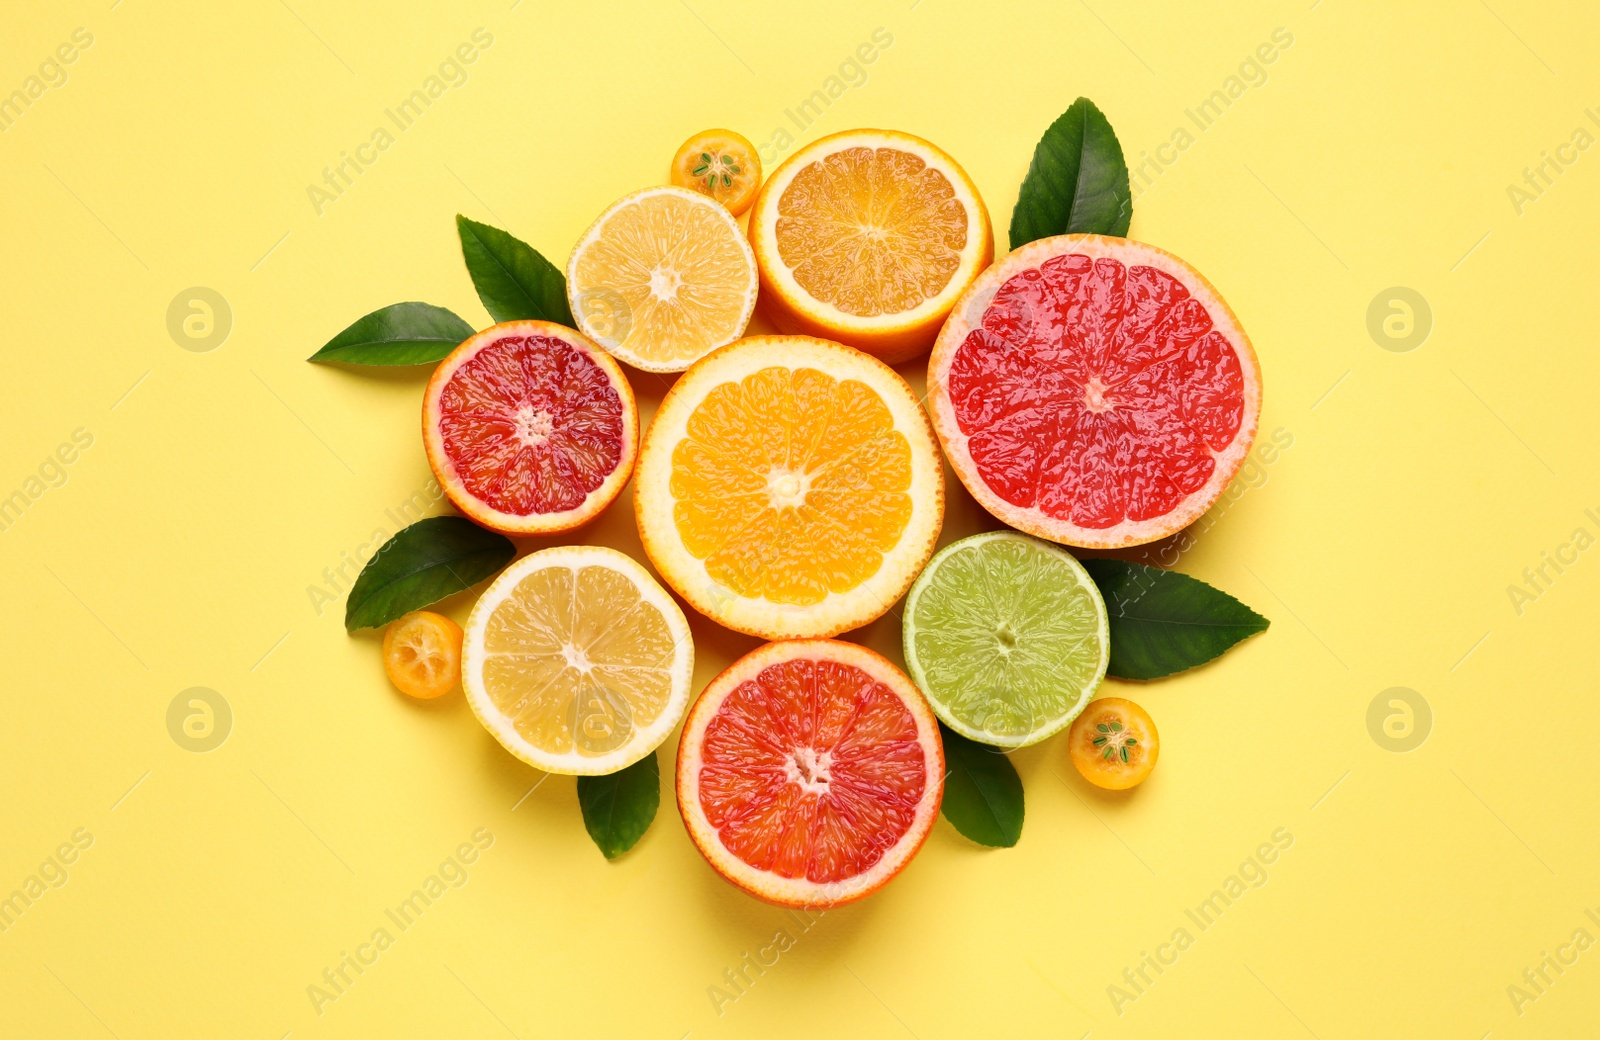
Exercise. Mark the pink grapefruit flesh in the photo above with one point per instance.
(1094, 391)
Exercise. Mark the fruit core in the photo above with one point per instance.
(664, 282)
(808, 767)
(788, 489)
(534, 427)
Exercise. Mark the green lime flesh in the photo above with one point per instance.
(1007, 636)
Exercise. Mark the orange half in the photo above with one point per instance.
(868, 237)
(789, 487)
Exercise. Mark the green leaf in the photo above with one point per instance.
(400, 334)
(618, 807)
(982, 792)
(513, 280)
(1077, 182)
(433, 558)
(1164, 622)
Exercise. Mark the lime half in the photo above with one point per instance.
(1007, 636)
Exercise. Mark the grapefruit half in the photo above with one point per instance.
(1094, 391)
(810, 772)
(530, 428)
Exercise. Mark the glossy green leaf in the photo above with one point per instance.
(433, 558)
(618, 807)
(1164, 622)
(513, 280)
(982, 792)
(400, 334)
(1077, 182)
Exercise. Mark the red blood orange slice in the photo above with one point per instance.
(530, 427)
(810, 772)
(1094, 391)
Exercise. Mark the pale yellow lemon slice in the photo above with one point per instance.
(662, 278)
(577, 660)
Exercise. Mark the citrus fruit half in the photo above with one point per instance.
(422, 654)
(577, 661)
(868, 237)
(1094, 391)
(810, 772)
(530, 428)
(720, 165)
(789, 487)
(1008, 637)
(661, 278)
(1114, 744)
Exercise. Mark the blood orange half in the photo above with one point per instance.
(810, 772)
(530, 427)
(1094, 391)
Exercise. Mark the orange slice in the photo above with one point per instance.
(720, 165)
(789, 487)
(810, 772)
(868, 237)
(662, 278)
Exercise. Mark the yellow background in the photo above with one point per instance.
(219, 485)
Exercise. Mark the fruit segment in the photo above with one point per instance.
(871, 230)
(576, 659)
(802, 759)
(531, 425)
(1008, 637)
(791, 484)
(1084, 369)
